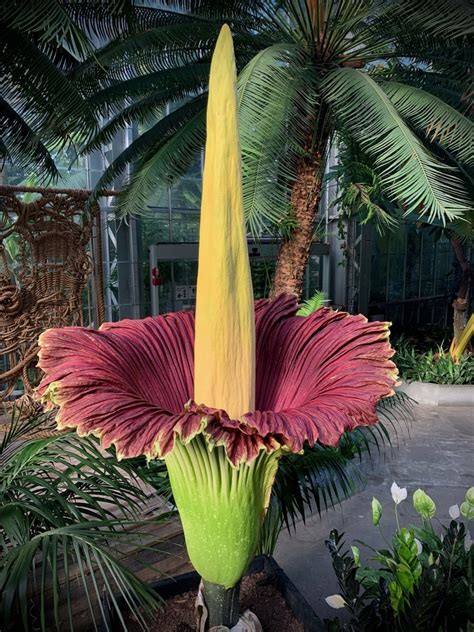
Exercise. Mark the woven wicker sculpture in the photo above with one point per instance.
(42, 286)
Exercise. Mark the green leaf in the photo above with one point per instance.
(57, 531)
(440, 122)
(410, 175)
(467, 510)
(404, 577)
(470, 496)
(423, 504)
(396, 595)
(356, 555)
(275, 95)
(165, 161)
(314, 303)
(21, 143)
(163, 153)
(376, 511)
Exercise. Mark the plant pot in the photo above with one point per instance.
(172, 587)
(431, 394)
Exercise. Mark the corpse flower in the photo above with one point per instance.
(222, 394)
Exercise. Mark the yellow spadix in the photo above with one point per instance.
(224, 374)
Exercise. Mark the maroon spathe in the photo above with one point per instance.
(131, 382)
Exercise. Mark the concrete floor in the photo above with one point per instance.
(437, 456)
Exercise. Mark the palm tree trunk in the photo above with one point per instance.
(294, 251)
(460, 302)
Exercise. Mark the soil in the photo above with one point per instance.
(257, 593)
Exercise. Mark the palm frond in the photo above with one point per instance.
(163, 165)
(160, 89)
(440, 122)
(147, 146)
(166, 161)
(42, 107)
(441, 84)
(164, 86)
(240, 11)
(410, 175)
(360, 189)
(52, 24)
(454, 19)
(86, 547)
(314, 303)
(22, 144)
(66, 509)
(274, 101)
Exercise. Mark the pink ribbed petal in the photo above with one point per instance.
(127, 383)
(319, 375)
(130, 382)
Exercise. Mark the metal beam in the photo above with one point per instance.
(179, 251)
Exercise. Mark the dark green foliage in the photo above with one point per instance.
(304, 76)
(57, 527)
(430, 591)
(432, 366)
(322, 477)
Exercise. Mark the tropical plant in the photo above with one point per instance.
(437, 366)
(313, 303)
(64, 506)
(423, 581)
(391, 75)
(44, 110)
(220, 395)
(39, 105)
(324, 476)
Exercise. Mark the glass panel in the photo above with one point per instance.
(412, 265)
(262, 273)
(378, 281)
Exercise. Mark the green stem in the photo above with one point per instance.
(222, 604)
(396, 518)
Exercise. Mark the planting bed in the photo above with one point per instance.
(265, 590)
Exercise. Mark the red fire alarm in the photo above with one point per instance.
(155, 277)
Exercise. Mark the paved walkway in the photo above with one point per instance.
(437, 456)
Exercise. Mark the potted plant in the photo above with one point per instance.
(220, 395)
(421, 581)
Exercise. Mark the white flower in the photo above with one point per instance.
(419, 546)
(335, 601)
(454, 512)
(398, 493)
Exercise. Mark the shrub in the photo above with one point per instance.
(432, 366)
(58, 530)
(422, 581)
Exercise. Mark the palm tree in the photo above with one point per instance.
(388, 74)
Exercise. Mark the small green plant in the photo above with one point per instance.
(422, 581)
(58, 533)
(315, 302)
(432, 366)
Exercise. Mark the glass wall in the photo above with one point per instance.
(414, 277)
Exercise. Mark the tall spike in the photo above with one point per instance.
(224, 374)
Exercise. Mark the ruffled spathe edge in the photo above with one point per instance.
(317, 377)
